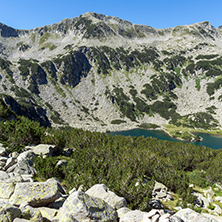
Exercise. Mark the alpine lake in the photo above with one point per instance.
(209, 140)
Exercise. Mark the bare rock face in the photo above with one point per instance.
(35, 194)
(81, 207)
(188, 215)
(102, 191)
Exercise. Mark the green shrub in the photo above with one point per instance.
(118, 121)
(16, 134)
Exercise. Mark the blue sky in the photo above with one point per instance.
(27, 14)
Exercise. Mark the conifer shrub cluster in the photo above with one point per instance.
(127, 165)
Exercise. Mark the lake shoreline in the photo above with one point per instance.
(212, 141)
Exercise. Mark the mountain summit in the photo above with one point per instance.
(103, 73)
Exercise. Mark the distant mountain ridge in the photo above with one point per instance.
(102, 73)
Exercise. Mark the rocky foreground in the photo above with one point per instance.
(22, 199)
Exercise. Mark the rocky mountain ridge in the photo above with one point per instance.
(102, 73)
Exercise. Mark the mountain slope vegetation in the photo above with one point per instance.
(93, 70)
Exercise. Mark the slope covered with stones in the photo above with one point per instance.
(81, 69)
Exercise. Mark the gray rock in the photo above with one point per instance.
(134, 216)
(2, 164)
(11, 168)
(14, 155)
(8, 212)
(23, 167)
(175, 219)
(35, 194)
(6, 190)
(81, 207)
(28, 156)
(2, 151)
(44, 149)
(30, 213)
(217, 209)
(3, 159)
(188, 215)
(201, 201)
(122, 211)
(61, 163)
(156, 204)
(159, 187)
(10, 162)
(27, 178)
(57, 204)
(102, 191)
(3, 175)
(48, 213)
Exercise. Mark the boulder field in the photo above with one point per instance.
(22, 199)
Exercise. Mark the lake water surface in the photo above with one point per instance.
(211, 141)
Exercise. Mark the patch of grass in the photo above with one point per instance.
(118, 121)
(44, 38)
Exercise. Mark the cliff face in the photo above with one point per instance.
(94, 71)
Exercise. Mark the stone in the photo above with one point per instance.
(156, 218)
(8, 212)
(217, 209)
(3, 159)
(14, 155)
(6, 190)
(30, 213)
(2, 164)
(48, 213)
(102, 191)
(188, 215)
(27, 156)
(159, 186)
(44, 149)
(57, 204)
(212, 217)
(201, 201)
(27, 178)
(23, 167)
(2, 151)
(10, 162)
(61, 163)
(79, 206)
(3, 175)
(35, 194)
(164, 217)
(11, 168)
(155, 204)
(72, 191)
(175, 219)
(134, 216)
(153, 212)
(122, 211)
(218, 198)
(20, 220)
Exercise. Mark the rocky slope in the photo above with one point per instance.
(23, 199)
(102, 73)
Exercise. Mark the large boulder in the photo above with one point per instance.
(102, 191)
(79, 206)
(44, 149)
(8, 212)
(134, 216)
(188, 215)
(35, 194)
(28, 156)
